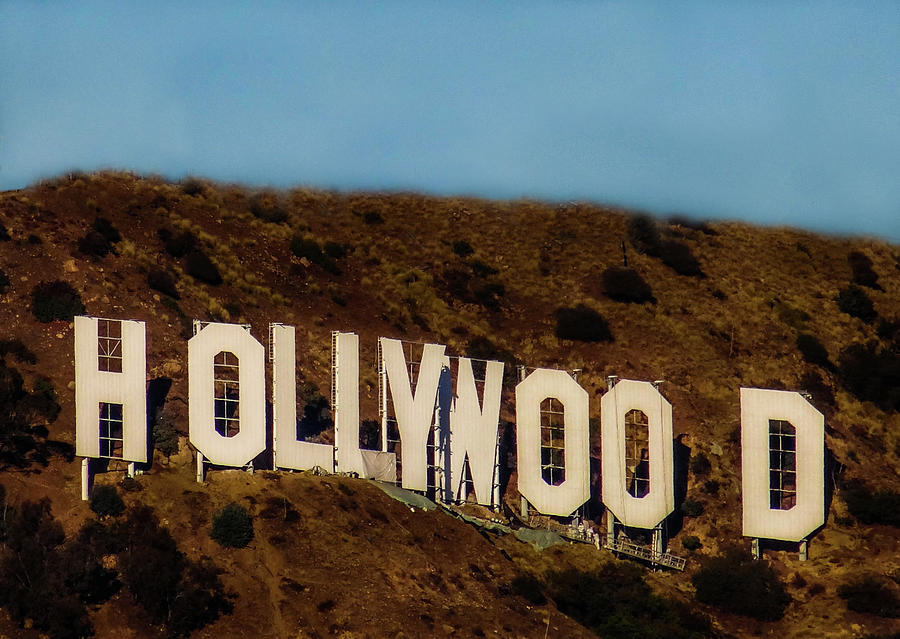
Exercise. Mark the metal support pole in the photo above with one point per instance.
(524, 508)
(201, 471)
(658, 540)
(754, 547)
(130, 470)
(610, 528)
(804, 550)
(85, 479)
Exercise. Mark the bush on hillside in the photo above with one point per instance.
(94, 244)
(311, 250)
(105, 501)
(201, 268)
(191, 186)
(741, 585)
(691, 542)
(4, 281)
(265, 207)
(812, 351)
(624, 284)
(643, 233)
(872, 595)
(372, 217)
(871, 373)
(615, 601)
(700, 465)
(178, 245)
(55, 300)
(232, 526)
(163, 281)
(4, 234)
(692, 508)
(462, 248)
(105, 228)
(17, 349)
(872, 506)
(582, 324)
(678, 256)
(854, 302)
(863, 274)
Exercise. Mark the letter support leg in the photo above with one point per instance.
(524, 508)
(610, 529)
(201, 470)
(804, 550)
(85, 479)
(754, 547)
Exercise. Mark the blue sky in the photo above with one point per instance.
(770, 112)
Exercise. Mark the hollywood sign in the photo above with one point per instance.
(782, 434)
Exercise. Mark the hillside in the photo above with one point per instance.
(723, 305)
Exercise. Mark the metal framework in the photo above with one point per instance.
(112, 439)
(782, 464)
(109, 345)
(226, 373)
(637, 453)
(553, 442)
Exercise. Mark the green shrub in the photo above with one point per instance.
(692, 508)
(334, 250)
(232, 526)
(178, 245)
(691, 542)
(711, 486)
(265, 207)
(582, 324)
(863, 274)
(812, 350)
(165, 435)
(741, 585)
(871, 373)
(872, 506)
(677, 256)
(163, 281)
(312, 251)
(624, 284)
(462, 248)
(105, 228)
(643, 233)
(4, 282)
(372, 217)
(17, 349)
(105, 501)
(55, 300)
(191, 186)
(529, 589)
(616, 603)
(200, 267)
(4, 234)
(93, 243)
(34, 239)
(872, 595)
(854, 302)
(700, 464)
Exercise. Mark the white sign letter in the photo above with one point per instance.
(110, 389)
(414, 413)
(565, 498)
(783, 462)
(227, 394)
(656, 503)
(288, 451)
